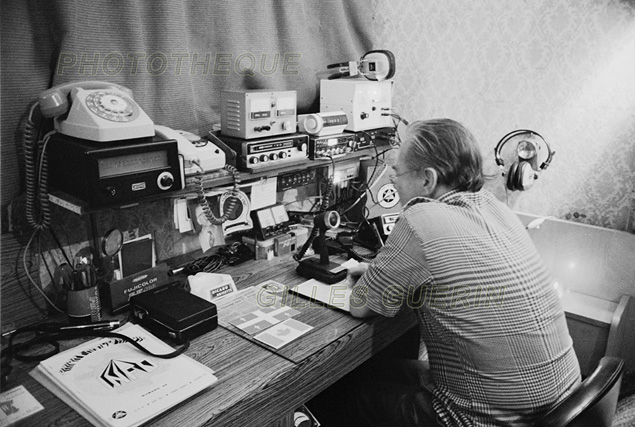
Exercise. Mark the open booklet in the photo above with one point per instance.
(112, 383)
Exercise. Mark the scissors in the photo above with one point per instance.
(84, 276)
(63, 277)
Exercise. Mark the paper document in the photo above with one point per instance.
(336, 295)
(112, 383)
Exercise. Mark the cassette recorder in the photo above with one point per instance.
(258, 154)
(331, 145)
(114, 173)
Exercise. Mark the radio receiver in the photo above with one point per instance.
(102, 174)
(258, 113)
(263, 153)
(331, 145)
(320, 124)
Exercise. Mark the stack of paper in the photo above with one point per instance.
(112, 383)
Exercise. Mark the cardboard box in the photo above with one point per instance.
(115, 295)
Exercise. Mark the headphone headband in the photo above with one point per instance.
(512, 134)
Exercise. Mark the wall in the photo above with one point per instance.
(565, 69)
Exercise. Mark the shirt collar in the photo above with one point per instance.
(444, 198)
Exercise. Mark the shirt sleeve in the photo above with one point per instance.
(395, 275)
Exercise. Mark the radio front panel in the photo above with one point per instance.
(252, 114)
(331, 145)
(113, 173)
(264, 153)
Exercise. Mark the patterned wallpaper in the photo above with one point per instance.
(564, 68)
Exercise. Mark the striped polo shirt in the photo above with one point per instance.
(498, 344)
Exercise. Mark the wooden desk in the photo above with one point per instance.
(257, 386)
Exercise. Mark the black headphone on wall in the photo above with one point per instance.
(523, 173)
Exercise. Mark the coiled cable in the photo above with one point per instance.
(232, 202)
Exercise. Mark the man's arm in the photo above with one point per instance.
(359, 308)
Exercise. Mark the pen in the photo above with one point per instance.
(96, 326)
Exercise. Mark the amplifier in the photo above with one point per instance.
(331, 145)
(258, 113)
(257, 154)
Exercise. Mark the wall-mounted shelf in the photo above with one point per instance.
(210, 180)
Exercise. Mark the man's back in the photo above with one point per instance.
(496, 334)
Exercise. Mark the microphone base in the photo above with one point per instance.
(312, 269)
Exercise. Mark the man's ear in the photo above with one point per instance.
(429, 182)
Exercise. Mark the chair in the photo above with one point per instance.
(593, 403)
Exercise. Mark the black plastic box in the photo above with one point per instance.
(172, 312)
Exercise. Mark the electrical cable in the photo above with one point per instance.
(232, 202)
(52, 333)
(28, 275)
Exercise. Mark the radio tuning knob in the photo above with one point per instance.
(167, 181)
(302, 147)
(283, 155)
(273, 156)
(286, 125)
(110, 190)
(264, 158)
(253, 160)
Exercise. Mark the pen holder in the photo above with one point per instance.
(83, 305)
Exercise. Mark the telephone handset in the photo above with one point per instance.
(199, 155)
(94, 110)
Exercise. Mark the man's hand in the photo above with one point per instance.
(354, 273)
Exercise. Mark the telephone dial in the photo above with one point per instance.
(523, 173)
(94, 110)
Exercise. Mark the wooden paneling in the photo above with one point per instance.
(21, 304)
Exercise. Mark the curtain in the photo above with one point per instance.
(176, 56)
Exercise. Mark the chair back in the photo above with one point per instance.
(593, 403)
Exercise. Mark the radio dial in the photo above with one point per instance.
(253, 160)
(273, 156)
(110, 191)
(165, 180)
(302, 146)
(283, 155)
(264, 158)
(286, 125)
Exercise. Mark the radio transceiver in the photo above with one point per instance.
(258, 154)
(321, 124)
(252, 114)
(331, 145)
(374, 137)
(108, 173)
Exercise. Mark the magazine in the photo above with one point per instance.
(112, 383)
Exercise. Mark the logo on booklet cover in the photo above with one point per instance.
(119, 372)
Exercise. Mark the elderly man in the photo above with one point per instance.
(498, 344)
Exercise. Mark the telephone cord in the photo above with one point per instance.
(232, 202)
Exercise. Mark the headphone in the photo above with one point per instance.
(522, 174)
(376, 65)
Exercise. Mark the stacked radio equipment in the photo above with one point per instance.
(260, 126)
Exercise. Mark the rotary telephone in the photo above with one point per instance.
(94, 110)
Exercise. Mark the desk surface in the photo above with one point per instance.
(257, 386)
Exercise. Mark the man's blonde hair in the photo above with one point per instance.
(448, 147)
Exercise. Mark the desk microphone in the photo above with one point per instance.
(321, 268)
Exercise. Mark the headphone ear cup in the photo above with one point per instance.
(511, 177)
(525, 176)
